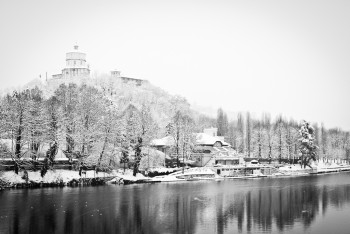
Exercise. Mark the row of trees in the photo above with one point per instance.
(278, 138)
(79, 120)
(95, 123)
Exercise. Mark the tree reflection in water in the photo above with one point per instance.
(255, 206)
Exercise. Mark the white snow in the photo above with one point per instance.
(163, 169)
(52, 176)
(201, 139)
(11, 177)
(205, 139)
(195, 171)
(316, 167)
(165, 141)
(188, 172)
(127, 175)
(167, 178)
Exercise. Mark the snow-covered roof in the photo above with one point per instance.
(205, 139)
(165, 141)
(201, 139)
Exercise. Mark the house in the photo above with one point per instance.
(209, 149)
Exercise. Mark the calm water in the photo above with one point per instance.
(311, 204)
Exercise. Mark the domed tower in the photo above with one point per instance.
(76, 65)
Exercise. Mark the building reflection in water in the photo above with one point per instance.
(204, 207)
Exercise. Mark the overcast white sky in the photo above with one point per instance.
(289, 57)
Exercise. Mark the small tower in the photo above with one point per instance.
(76, 65)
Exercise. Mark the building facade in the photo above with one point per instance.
(209, 149)
(117, 74)
(76, 65)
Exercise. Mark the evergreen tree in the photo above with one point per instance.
(307, 147)
(232, 134)
(280, 137)
(240, 133)
(258, 139)
(124, 156)
(51, 134)
(324, 142)
(317, 137)
(224, 125)
(220, 121)
(270, 143)
(248, 134)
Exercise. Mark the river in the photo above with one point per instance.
(309, 204)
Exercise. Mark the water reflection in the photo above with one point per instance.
(282, 205)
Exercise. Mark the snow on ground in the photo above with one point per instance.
(128, 175)
(167, 178)
(195, 171)
(192, 171)
(56, 176)
(11, 177)
(65, 176)
(315, 165)
(163, 169)
(52, 176)
(292, 168)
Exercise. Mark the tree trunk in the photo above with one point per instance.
(18, 143)
(102, 152)
(49, 160)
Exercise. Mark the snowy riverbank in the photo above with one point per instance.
(9, 179)
(317, 168)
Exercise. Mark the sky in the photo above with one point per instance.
(281, 57)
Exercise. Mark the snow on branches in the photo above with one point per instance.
(307, 147)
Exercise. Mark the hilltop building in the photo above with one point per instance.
(117, 74)
(76, 65)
